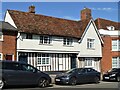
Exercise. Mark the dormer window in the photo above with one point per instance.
(110, 27)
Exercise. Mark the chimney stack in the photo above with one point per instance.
(32, 9)
(86, 13)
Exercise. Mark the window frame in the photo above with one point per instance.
(1, 56)
(89, 62)
(67, 42)
(45, 40)
(117, 45)
(1, 39)
(116, 64)
(90, 43)
(43, 59)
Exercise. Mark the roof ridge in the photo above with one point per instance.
(43, 15)
(107, 20)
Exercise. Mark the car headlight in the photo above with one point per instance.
(112, 75)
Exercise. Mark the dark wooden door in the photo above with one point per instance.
(8, 57)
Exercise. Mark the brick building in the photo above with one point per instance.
(110, 33)
(8, 38)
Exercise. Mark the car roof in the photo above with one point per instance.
(10, 61)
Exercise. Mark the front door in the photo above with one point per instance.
(73, 61)
(23, 59)
(8, 57)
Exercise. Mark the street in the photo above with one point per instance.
(101, 86)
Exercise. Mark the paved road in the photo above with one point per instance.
(101, 86)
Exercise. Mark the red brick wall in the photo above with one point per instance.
(9, 44)
(108, 53)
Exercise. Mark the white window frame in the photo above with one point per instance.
(1, 56)
(90, 43)
(1, 39)
(116, 62)
(116, 43)
(67, 41)
(89, 62)
(45, 40)
(41, 58)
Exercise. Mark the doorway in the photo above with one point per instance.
(9, 57)
(73, 61)
(23, 59)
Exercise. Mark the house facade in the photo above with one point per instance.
(55, 44)
(110, 33)
(8, 41)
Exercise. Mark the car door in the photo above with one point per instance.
(90, 75)
(11, 72)
(29, 74)
(81, 75)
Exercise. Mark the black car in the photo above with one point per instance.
(18, 73)
(113, 74)
(78, 75)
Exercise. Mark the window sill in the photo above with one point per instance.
(67, 46)
(1, 40)
(91, 48)
(43, 65)
(46, 44)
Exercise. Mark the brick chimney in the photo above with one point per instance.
(32, 9)
(86, 13)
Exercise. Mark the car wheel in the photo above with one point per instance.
(1, 84)
(43, 82)
(97, 80)
(73, 81)
(118, 78)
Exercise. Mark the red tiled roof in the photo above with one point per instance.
(46, 25)
(103, 23)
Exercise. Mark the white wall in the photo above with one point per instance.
(109, 32)
(84, 51)
(9, 19)
(55, 47)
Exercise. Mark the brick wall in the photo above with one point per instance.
(9, 43)
(108, 53)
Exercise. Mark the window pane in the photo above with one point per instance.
(90, 43)
(114, 62)
(43, 60)
(67, 41)
(47, 60)
(114, 44)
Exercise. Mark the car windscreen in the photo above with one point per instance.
(114, 70)
(71, 71)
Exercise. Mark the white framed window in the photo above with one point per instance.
(1, 36)
(68, 41)
(89, 62)
(90, 43)
(26, 36)
(116, 62)
(43, 59)
(0, 56)
(45, 40)
(115, 45)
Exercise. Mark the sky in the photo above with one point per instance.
(66, 10)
